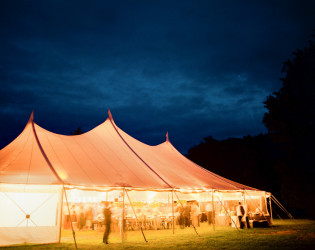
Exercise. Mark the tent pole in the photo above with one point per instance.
(228, 214)
(271, 219)
(61, 215)
(136, 216)
(246, 211)
(183, 208)
(244, 197)
(122, 227)
(282, 208)
(73, 232)
(173, 224)
(213, 214)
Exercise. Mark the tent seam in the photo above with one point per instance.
(82, 148)
(44, 154)
(76, 160)
(7, 166)
(126, 165)
(56, 155)
(29, 165)
(138, 155)
(207, 170)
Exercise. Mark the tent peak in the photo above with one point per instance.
(31, 119)
(110, 115)
(167, 138)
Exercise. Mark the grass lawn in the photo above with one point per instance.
(285, 234)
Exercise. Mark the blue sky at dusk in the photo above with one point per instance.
(193, 68)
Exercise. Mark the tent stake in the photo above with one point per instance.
(73, 232)
(135, 215)
(183, 208)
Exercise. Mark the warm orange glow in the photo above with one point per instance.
(150, 196)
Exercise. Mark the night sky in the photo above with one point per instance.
(193, 68)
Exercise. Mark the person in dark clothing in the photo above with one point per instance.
(180, 219)
(107, 221)
(240, 211)
(81, 218)
(187, 210)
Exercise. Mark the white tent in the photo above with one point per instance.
(38, 165)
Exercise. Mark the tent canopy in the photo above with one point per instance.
(104, 157)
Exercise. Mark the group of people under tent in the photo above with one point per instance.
(90, 216)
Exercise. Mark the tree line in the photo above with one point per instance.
(283, 160)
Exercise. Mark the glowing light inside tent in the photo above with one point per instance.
(195, 195)
(150, 196)
(63, 175)
(20, 209)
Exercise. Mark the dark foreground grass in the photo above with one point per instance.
(285, 234)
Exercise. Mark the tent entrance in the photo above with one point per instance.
(29, 214)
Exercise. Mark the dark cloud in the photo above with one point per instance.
(192, 68)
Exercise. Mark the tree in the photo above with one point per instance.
(249, 160)
(291, 111)
(78, 131)
(290, 121)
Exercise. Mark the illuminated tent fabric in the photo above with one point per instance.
(38, 164)
(105, 156)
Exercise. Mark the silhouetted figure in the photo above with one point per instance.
(107, 221)
(247, 225)
(240, 213)
(81, 218)
(187, 210)
(209, 213)
(180, 219)
(195, 211)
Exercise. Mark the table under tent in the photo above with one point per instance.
(49, 181)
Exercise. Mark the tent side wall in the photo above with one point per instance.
(30, 214)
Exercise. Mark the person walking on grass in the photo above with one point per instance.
(107, 221)
(240, 213)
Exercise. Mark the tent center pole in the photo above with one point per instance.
(271, 219)
(73, 232)
(173, 224)
(61, 214)
(228, 214)
(122, 226)
(137, 221)
(183, 208)
(213, 214)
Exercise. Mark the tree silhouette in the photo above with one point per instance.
(249, 160)
(291, 111)
(283, 161)
(78, 131)
(290, 121)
